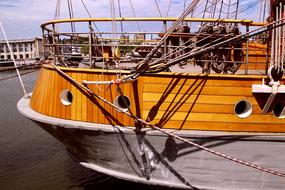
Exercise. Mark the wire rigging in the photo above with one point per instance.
(71, 15)
(120, 14)
(57, 10)
(168, 9)
(158, 9)
(89, 14)
(134, 13)
(143, 65)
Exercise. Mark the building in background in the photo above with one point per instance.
(23, 49)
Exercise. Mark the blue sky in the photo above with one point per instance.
(21, 18)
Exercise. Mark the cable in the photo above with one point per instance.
(57, 10)
(86, 9)
(70, 10)
(157, 6)
(144, 62)
(169, 5)
(87, 92)
(120, 14)
(12, 56)
(134, 13)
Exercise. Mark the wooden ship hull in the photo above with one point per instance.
(201, 108)
(155, 125)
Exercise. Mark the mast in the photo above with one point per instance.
(277, 9)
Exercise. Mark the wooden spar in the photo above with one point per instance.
(154, 19)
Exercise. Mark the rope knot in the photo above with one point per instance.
(117, 81)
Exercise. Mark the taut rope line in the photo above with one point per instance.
(12, 56)
(222, 155)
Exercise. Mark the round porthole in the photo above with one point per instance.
(122, 102)
(278, 110)
(66, 97)
(243, 109)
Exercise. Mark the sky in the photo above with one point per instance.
(22, 18)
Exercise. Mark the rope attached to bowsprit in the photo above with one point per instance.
(137, 119)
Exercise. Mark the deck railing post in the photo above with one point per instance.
(43, 43)
(267, 51)
(165, 43)
(247, 44)
(53, 44)
(90, 45)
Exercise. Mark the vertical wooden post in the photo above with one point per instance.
(43, 43)
(54, 45)
(165, 43)
(267, 51)
(90, 45)
(247, 44)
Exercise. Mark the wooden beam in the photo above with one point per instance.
(154, 19)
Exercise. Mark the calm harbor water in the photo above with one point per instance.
(31, 159)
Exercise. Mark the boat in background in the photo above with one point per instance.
(200, 109)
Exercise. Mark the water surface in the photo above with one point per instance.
(31, 159)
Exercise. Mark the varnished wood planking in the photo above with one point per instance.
(140, 89)
(205, 89)
(200, 99)
(223, 126)
(199, 108)
(109, 97)
(35, 104)
(126, 92)
(55, 97)
(89, 106)
(39, 96)
(148, 99)
(46, 95)
(52, 94)
(220, 82)
(64, 107)
(94, 107)
(84, 100)
(79, 95)
(75, 98)
(214, 117)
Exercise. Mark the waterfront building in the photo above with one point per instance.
(23, 49)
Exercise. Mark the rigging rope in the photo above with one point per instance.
(204, 12)
(99, 33)
(215, 6)
(142, 66)
(237, 8)
(114, 34)
(12, 56)
(156, 66)
(248, 6)
(89, 14)
(157, 6)
(120, 14)
(71, 16)
(134, 13)
(137, 119)
(57, 10)
(169, 5)
(221, 8)
(184, 7)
